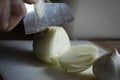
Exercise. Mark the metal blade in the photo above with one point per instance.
(56, 14)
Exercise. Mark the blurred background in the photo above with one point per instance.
(93, 19)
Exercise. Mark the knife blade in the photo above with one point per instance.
(55, 14)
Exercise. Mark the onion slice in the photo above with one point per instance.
(78, 58)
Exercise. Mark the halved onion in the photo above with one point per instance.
(78, 58)
(51, 45)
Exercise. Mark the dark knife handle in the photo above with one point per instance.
(18, 33)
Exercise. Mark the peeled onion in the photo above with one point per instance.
(51, 45)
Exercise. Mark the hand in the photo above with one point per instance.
(11, 13)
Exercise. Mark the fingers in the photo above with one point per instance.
(4, 14)
(30, 1)
(18, 11)
(12, 12)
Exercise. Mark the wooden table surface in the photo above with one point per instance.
(108, 45)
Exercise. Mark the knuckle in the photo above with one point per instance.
(23, 10)
(19, 8)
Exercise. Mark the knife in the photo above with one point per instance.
(46, 15)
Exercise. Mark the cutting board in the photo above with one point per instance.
(17, 62)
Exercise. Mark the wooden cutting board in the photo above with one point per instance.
(17, 62)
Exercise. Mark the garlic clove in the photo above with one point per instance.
(39, 8)
(107, 67)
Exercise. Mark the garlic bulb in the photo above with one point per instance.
(107, 67)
